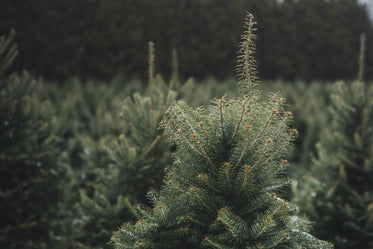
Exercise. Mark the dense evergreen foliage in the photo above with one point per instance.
(339, 192)
(88, 120)
(223, 188)
(30, 175)
(80, 158)
(136, 160)
(98, 38)
(110, 139)
(308, 101)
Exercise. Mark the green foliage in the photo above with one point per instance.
(30, 174)
(109, 37)
(141, 155)
(338, 193)
(77, 159)
(121, 166)
(223, 188)
(107, 138)
(87, 118)
(308, 102)
(88, 121)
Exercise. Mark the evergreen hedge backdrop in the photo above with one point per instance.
(99, 38)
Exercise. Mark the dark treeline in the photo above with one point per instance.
(305, 39)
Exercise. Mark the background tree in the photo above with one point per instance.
(338, 192)
(57, 39)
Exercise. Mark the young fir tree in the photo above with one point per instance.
(223, 188)
(338, 191)
(30, 177)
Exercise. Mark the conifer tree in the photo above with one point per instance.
(140, 154)
(223, 188)
(30, 176)
(338, 191)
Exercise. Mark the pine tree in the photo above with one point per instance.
(338, 191)
(142, 154)
(30, 175)
(223, 188)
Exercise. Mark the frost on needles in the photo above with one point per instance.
(224, 186)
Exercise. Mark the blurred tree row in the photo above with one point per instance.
(306, 39)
